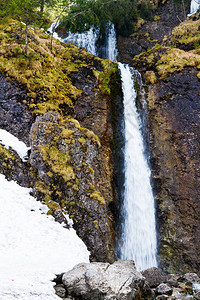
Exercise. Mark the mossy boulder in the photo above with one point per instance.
(66, 158)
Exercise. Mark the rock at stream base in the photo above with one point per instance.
(163, 289)
(117, 281)
(154, 276)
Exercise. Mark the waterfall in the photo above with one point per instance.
(139, 230)
(89, 39)
(86, 39)
(194, 6)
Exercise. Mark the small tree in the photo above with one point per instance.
(25, 11)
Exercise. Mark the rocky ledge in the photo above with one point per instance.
(122, 281)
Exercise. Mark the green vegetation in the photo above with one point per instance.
(124, 14)
(6, 157)
(161, 61)
(186, 33)
(45, 73)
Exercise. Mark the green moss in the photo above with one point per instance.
(96, 196)
(58, 161)
(105, 76)
(186, 33)
(156, 18)
(163, 61)
(53, 205)
(45, 73)
(91, 135)
(5, 154)
(150, 77)
(176, 60)
(67, 133)
(82, 141)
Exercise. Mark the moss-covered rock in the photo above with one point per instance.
(65, 94)
(66, 158)
(45, 72)
(187, 35)
(166, 15)
(160, 62)
(13, 167)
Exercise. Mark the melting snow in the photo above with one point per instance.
(33, 247)
(9, 140)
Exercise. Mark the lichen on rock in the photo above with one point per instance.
(65, 168)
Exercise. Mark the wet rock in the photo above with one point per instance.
(181, 297)
(120, 281)
(189, 278)
(60, 291)
(163, 289)
(163, 297)
(154, 276)
(172, 279)
(197, 296)
(147, 292)
(173, 114)
(15, 117)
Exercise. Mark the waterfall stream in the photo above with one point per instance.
(194, 6)
(139, 230)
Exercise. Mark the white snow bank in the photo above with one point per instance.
(33, 247)
(9, 140)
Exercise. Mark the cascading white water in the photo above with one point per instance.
(86, 39)
(194, 6)
(89, 39)
(111, 43)
(139, 230)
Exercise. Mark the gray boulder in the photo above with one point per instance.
(103, 281)
(190, 277)
(164, 289)
(154, 276)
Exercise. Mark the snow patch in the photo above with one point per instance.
(9, 140)
(33, 246)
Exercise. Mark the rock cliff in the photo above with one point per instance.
(171, 74)
(58, 101)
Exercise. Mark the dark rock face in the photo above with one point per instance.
(167, 15)
(67, 159)
(13, 167)
(173, 109)
(15, 116)
(154, 276)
